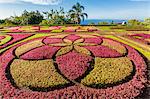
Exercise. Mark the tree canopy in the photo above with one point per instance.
(52, 17)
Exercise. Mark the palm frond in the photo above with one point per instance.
(85, 14)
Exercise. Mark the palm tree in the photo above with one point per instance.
(76, 13)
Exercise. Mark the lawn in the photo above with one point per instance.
(75, 62)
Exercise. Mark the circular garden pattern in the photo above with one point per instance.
(73, 67)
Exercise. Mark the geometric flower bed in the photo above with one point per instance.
(71, 67)
(8, 39)
(52, 29)
(142, 38)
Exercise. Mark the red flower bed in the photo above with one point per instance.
(76, 64)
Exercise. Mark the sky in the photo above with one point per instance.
(96, 9)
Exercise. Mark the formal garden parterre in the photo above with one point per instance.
(69, 65)
(47, 29)
(142, 38)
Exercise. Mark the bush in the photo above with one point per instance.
(92, 23)
(137, 28)
(44, 22)
(133, 22)
(103, 23)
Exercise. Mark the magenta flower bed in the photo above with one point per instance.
(92, 30)
(52, 40)
(15, 28)
(73, 37)
(96, 40)
(36, 27)
(44, 31)
(103, 51)
(72, 66)
(2, 37)
(44, 52)
(142, 39)
(17, 31)
(55, 27)
(70, 30)
(142, 35)
(15, 38)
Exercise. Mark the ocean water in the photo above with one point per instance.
(96, 21)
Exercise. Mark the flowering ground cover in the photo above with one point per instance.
(142, 38)
(70, 66)
(46, 29)
(6, 40)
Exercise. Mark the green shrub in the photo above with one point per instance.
(103, 23)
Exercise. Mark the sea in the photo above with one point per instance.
(96, 21)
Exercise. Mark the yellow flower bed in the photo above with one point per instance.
(114, 45)
(108, 71)
(39, 73)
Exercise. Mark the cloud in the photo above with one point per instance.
(7, 1)
(43, 2)
(39, 2)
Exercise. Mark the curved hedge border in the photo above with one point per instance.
(129, 89)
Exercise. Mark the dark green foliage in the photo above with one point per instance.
(2, 21)
(103, 23)
(33, 17)
(133, 22)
